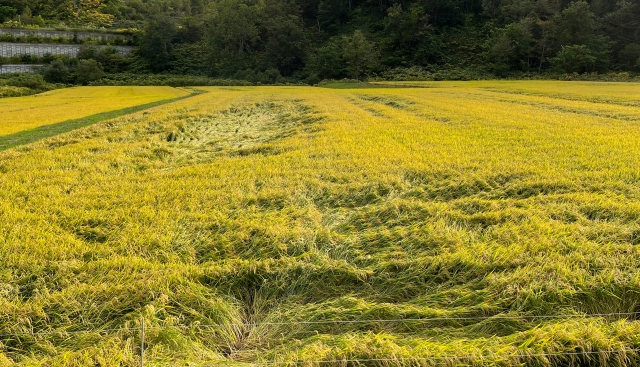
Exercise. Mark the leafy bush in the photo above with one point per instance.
(574, 59)
(417, 73)
(23, 84)
(7, 12)
(167, 80)
(10, 91)
(110, 59)
(88, 71)
(595, 77)
(56, 72)
(26, 80)
(359, 54)
(87, 52)
(630, 56)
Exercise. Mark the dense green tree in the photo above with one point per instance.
(409, 37)
(157, 43)
(575, 59)
(448, 13)
(268, 40)
(623, 23)
(522, 38)
(86, 52)
(7, 12)
(327, 61)
(283, 36)
(630, 55)
(576, 24)
(88, 71)
(190, 30)
(600, 48)
(197, 7)
(500, 54)
(110, 59)
(26, 15)
(331, 14)
(190, 58)
(56, 72)
(544, 35)
(359, 54)
(231, 31)
(508, 11)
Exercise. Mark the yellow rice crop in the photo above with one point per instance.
(258, 210)
(619, 93)
(24, 113)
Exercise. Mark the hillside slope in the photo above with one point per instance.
(312, 40)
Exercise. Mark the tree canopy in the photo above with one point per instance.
(263, 40)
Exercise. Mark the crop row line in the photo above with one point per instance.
(325, 322)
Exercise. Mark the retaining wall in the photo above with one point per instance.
(46, 33)
(40, 49)
(26, 68)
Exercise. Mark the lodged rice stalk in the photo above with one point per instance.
(483, 224)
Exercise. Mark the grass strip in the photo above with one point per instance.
(47, 131)
(367, 85)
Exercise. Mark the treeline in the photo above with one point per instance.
(271, 41)
(320, 39)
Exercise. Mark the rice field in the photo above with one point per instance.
(24, 113)
(481, 223)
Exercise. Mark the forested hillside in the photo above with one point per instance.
(264, 40)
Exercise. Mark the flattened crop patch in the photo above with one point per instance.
(387, 100)
(244, 129)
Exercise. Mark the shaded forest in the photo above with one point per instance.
(310, 40)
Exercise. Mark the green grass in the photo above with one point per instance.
(365, 85)
(348, 85)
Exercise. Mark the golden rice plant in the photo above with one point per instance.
(483, 223)
(24, 113)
